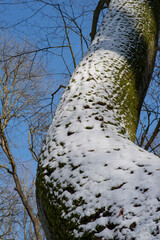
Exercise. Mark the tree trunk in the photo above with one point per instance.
(92, 181)
(18, 188)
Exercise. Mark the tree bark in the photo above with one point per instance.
(89, 170)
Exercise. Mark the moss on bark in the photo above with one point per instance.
(125, 99)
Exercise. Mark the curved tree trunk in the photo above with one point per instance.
(92, 181)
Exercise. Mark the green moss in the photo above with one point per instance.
(60, 154)
(49, 148)
(69, 133)
(93, 217)
(61, 164)
(116, 149)
(109, 122)
(89, 127)
(89, 79)
(109, 107)
(67, 125)
(118, 186)
(129, 81)
(86, 106)
(78, 202)
(98, 195)
(62, 228)
(52, 159)
(100, 228)
(101, 103)
(122, 131)
(62, 144)
(49, 169)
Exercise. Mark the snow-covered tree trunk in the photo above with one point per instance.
(93, 182)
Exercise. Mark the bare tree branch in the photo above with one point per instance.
(96, 14)
(34, 51)
(6, 168)
(67, 36)
(30, 142)
(53, 94)
(154, 134)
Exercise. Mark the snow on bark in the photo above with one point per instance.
(92, 181)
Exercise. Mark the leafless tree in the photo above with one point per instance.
(9, 210)
(15, 223)
(23, 104)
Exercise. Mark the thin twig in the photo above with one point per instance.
(33, 51)
(67, 36)
(60, 86)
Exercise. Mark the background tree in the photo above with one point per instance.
(9, 209)
(14, 219)
(21, 108)
(89, 170)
